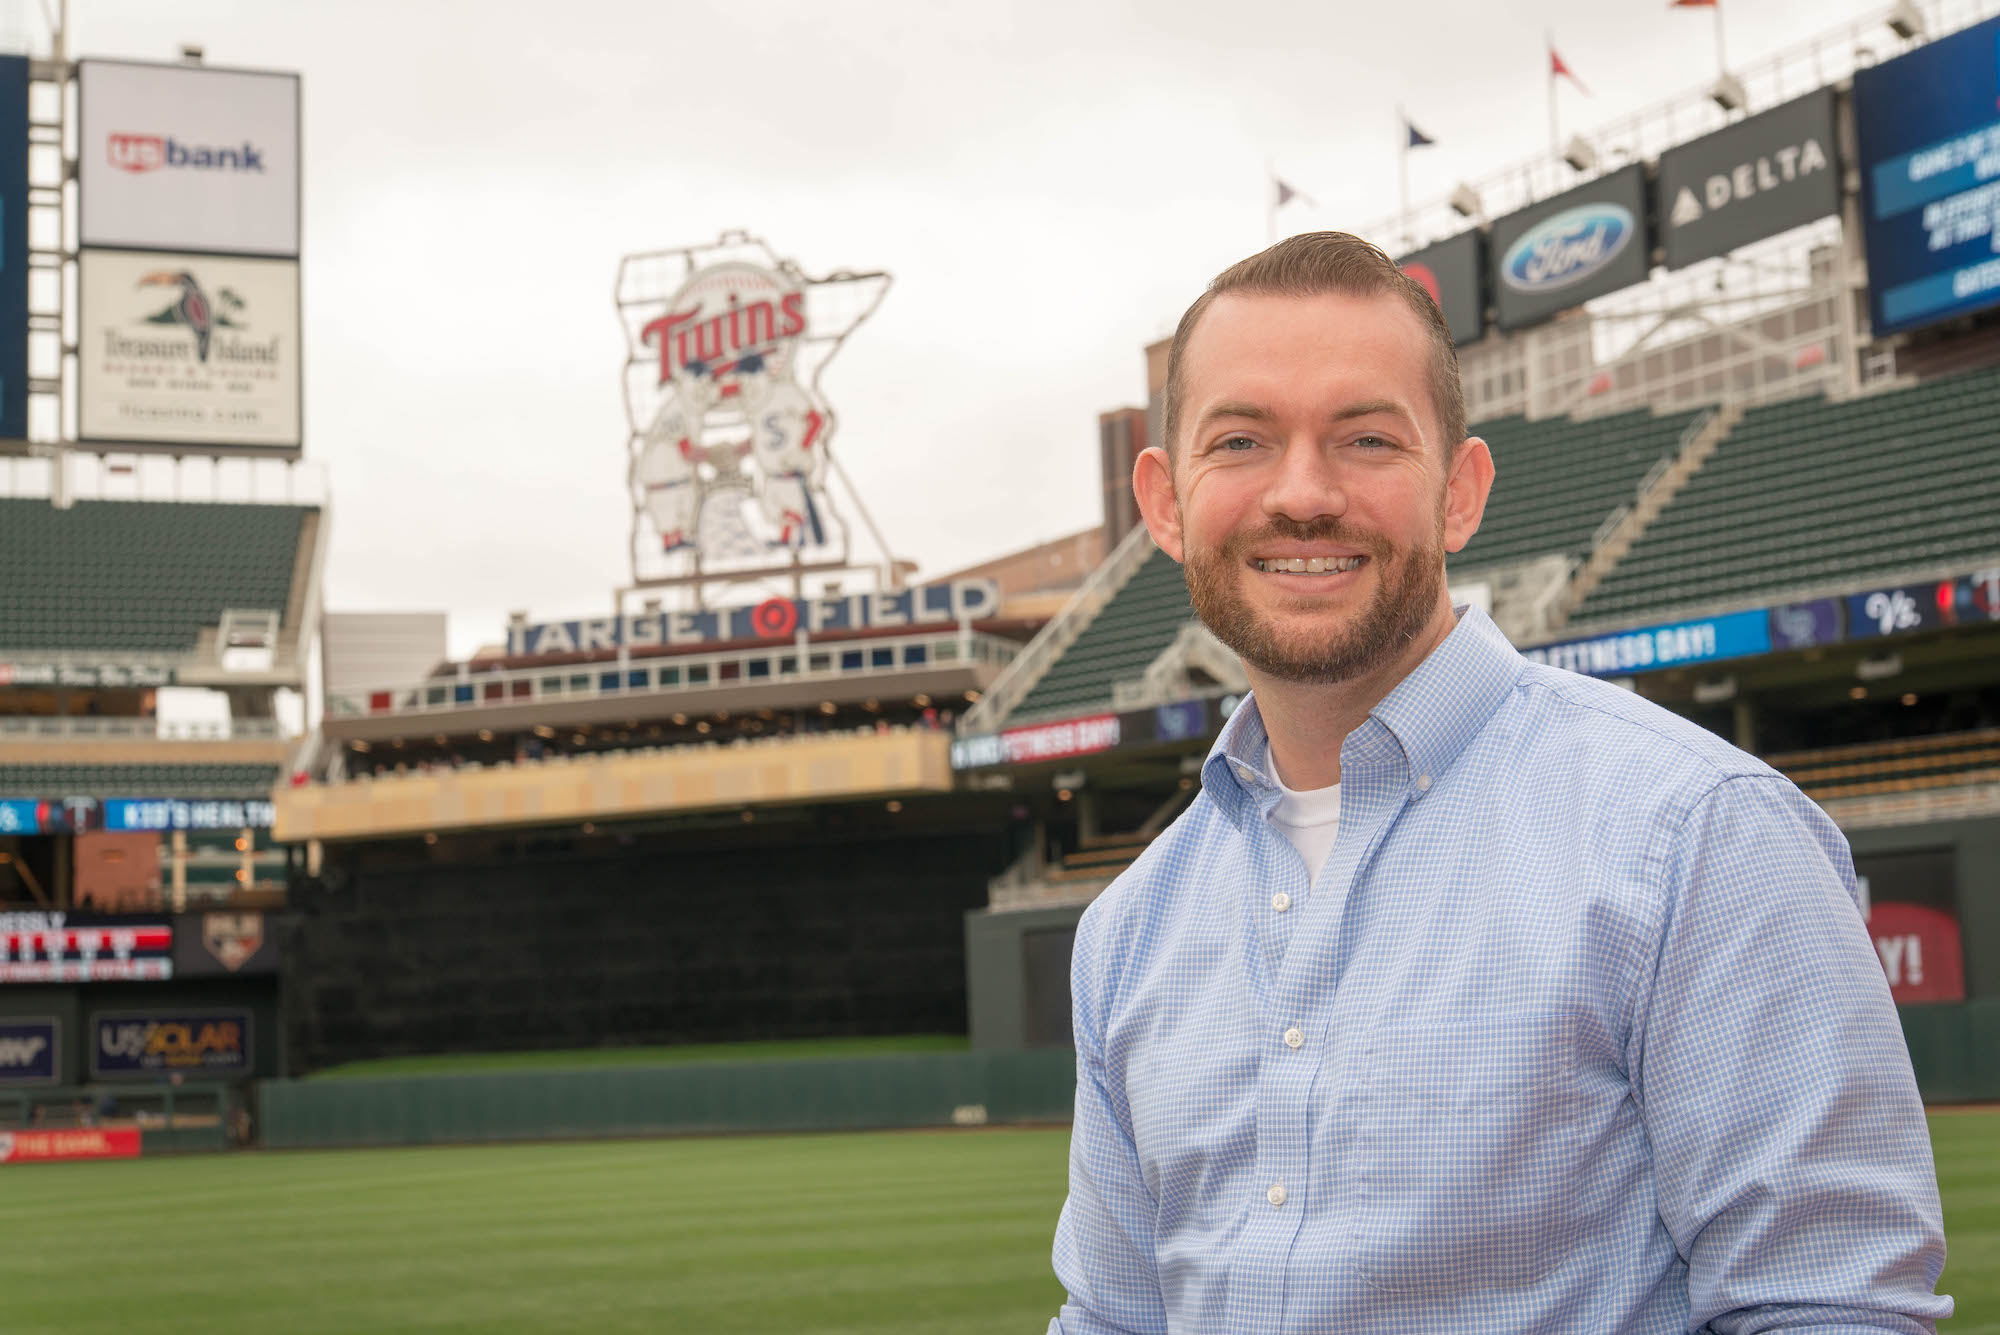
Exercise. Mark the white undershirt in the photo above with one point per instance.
(1310, 819)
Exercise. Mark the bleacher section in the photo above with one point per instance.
(1558, 479)
(1906, 765)
(230, 781)
(138, 576)
(1808, 492)
(1128, 633)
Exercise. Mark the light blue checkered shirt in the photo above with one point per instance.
(1578, 1029)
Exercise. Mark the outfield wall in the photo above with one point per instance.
(914, 1090)
(1955, 1049)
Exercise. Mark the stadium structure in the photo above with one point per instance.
(1737, 359)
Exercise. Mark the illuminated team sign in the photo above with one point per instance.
(730, 432)
(56, 948)
(198, 1042)
(962, 600)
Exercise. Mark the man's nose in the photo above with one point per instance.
(1305, 484)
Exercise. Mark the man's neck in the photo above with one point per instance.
(1307, 722)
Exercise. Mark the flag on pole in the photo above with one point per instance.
(1287, 193)
(1417, 138)
(1691, 4)
(1557, 69)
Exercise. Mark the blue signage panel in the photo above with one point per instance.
(1808, 625)
(28, 1048)
(1967, 600)
(1928, 124)
(162, 813)
(196, 1042)
(13, 247)
(1737, 635)
(20, 816)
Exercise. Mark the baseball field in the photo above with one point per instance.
(890, 1234)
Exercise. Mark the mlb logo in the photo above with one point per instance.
(138, 152)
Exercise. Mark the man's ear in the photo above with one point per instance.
(1153, 485)
(1466, 488)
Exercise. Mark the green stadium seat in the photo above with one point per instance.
(138, 576)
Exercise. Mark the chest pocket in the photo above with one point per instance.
(1468, 1155)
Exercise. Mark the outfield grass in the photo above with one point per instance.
(576, 1059)
(888, 1234)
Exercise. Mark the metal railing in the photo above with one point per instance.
(679, 676)
(1039, 654)
(17, 728)
(123, 477)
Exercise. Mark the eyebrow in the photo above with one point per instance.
(1254, 413)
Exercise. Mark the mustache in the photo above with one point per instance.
(1326, 529)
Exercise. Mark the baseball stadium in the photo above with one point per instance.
(696, 955)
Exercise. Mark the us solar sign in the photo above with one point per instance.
(1569, 248)
(1758, 177)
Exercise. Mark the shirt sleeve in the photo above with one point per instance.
(1104, 1240)
(1792, 1157)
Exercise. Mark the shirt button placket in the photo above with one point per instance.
(1294, 1039)
(1280, 902)
(1276, 1195)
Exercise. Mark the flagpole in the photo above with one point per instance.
(1270, 203)
(1555, 137)
(1721, 64)
(1403, 171)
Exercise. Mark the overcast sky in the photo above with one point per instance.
(1049, 182)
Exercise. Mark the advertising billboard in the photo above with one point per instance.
(1735, 635)
(60, 947)
(195, 1042)
(1761, 176)
(1928, 125)
(1449, 271)
(182, 157)
(178, 350)
(112, 1142)
(1569, 248)
(28, 1048)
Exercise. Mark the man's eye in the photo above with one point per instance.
(1237, 444)
(1372, 442)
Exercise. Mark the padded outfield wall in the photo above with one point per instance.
(802, 923)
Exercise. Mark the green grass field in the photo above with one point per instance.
(890, 1234)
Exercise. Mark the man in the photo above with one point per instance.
(1469, 995)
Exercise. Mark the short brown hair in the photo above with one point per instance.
(1309, 265)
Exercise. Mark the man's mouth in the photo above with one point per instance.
(1306, 565)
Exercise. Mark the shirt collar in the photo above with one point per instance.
(1421, 726)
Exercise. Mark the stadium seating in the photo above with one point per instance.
(192, 781)
(1557, 479)
(1807, 491)
(138, 576)
(1905, 765)
(1128, 633)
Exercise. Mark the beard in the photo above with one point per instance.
(1338, 648)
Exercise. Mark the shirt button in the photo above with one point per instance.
(1423, 783)
(1293, 1038)
(1276, 1195)
(1281, 901)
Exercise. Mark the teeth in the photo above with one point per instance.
(1308, 565)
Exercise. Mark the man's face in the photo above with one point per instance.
(1308, 439)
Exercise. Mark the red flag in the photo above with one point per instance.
(1691, 4)
(1557, 68)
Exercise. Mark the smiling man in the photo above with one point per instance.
(1469, 994)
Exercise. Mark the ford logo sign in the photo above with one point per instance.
(1567, 248)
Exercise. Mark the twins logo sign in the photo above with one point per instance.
(730, 433)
